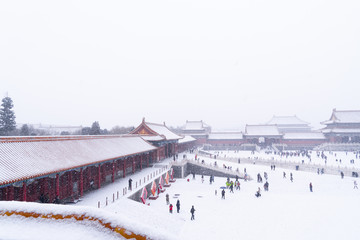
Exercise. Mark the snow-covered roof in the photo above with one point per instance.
(153, 138)
(195, 125)
(286, 120)
(29, 159)
(161, 129)
(225, 135)
(304, 135)
(186, 139)
(154, 129)
(341, 130)
(344, 117)
(262, 130)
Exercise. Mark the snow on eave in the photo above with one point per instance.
(186, 139)
(163, 130)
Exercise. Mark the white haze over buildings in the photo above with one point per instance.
(228, 63)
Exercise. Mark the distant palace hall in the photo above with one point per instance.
(281, 133)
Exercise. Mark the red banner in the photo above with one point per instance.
(161, 183)
(153, 188)
(144, 195)
(167, 178)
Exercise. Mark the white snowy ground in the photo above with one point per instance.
(334, 159)
(288, 211)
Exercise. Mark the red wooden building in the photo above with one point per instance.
(343, 127)
(198, 130)
(186, 143)
(160, 136)
(34, 168)
(226, 139)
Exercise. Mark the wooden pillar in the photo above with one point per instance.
(99, 176)
(133, 164)
(57, 185)
(24, 192)
(124, 169)
(81, 182)
(141, 161)
(113, 171)
(10, 193)
(71, 184)
(158, 154)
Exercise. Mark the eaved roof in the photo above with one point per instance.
(161, 129)
(225, 135)
(153, 129)
(187, 139)
(195, 125)
(351, 116)
(341, 130)
(153, 138)
(286, 120)
(304, 135)
(262, 130)
(27, 159)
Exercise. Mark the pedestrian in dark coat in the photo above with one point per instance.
(311, 187)
(223, 194)
(178, 206)
(266, 186)
(130, 183)
(192, 210)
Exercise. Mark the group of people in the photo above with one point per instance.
(192, 210)
(171, 206)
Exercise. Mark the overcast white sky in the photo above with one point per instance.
(228, 63)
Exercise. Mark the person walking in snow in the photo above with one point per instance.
(167, 199)
(170, 208)
(223, 194)
(284, 174)
(311, 187)
(258, 194)
(266, 186)
(291, 177)
(237, 185)
(192, 210)
(265, 175)
(342, 174)
(178, 206)
(130, 183)
(232, 186)
(202, 178)
(355, 185)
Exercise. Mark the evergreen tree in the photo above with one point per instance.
(95, 129)
(25, 131)
(85, 131)
(7, 117)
